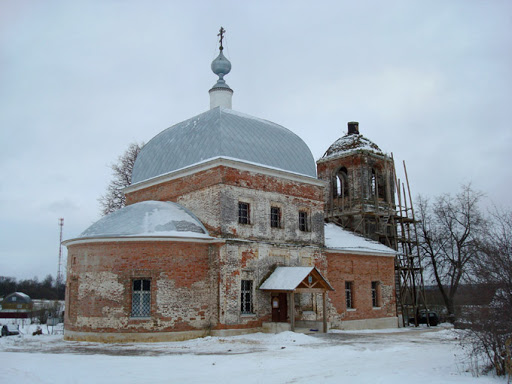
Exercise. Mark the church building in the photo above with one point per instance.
(231, 227)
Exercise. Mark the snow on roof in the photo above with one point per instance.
(351, 143)
(148, 218)
(24, 295)
(339, 238)
(286, 278)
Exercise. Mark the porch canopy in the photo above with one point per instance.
(298, 280)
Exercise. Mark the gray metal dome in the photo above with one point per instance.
(148, 219)
(222, 132)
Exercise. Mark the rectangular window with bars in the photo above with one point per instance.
(348, 295)
(141, 298)
(375, 294)
(246, 297)
(303, 221)
(244, 213)
(275, 217)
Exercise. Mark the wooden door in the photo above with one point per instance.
(279, 308)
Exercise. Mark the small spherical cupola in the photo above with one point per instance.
(221, 67)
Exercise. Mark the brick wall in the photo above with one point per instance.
(213, 196)
(197, 286)
(361, 270)
(256, 261)
(172, 189)
(183, 286)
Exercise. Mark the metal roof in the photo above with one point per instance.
(148, 218)
(289, 278)
(222, 132)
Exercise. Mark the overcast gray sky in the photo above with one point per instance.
(81, 80)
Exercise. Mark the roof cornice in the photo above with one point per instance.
(121, 239)
(352, 153)
(360, 252)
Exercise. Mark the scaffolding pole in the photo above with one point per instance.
(410, 288)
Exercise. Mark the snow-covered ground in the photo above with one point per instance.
(390, 356)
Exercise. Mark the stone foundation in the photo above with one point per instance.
(382, 323)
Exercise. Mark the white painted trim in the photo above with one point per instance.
(228, 162)
(363, 253)
(140, 238)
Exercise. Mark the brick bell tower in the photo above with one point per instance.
(361, 186)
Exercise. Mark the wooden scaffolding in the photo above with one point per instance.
(410, 286)
(386, 216)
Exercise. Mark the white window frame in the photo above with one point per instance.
(349, 294)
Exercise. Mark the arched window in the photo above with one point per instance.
(373, 183)
(341, 183)
(377, 185)
(381, 186)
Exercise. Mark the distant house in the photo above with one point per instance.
(16, 305)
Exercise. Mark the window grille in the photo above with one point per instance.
(275, 217)
(244, 213)
(348, 295)
(141, 298)
(375, 293)
(303, 221)
(246, 297)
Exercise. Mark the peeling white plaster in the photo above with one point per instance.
(100, 285)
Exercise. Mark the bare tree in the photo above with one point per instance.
(448, 231)
(495, 263)
(114, 198)
(490, 326)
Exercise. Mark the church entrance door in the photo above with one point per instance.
(279, 308)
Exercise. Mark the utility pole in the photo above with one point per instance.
(59, 269)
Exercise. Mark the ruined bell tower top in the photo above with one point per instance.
(351, 142)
